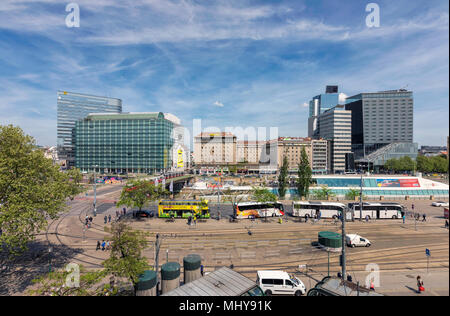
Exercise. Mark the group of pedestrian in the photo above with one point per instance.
(88, 221)
(107, 219)
(192, 219)
(103, 245)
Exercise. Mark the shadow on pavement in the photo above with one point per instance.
(18, 274)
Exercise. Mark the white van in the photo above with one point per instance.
(353, 240)
(280, 282)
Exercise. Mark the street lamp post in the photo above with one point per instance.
(50, 249)
(95, 191)
(360, 198)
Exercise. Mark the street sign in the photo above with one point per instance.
(427, 252)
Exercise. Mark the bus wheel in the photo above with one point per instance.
(273, 214)
(268, 293)
(394, 217)
(335, 217)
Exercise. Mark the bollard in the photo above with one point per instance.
(147, 284)
(170, 276)
(192, 268)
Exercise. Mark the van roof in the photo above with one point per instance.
(271, 274)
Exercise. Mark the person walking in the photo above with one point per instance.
(424, 218)
(103, 245)
(109, 218)
(420, 287)
(446, 223)
(98, 245)
(106, 219)
(372, 286)
(404, 218)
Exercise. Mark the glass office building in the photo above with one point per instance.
(124, 143)
(318, 105)
(73, 107)
(379, 119)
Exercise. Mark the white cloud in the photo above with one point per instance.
(219, 104)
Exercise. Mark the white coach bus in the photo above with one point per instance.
(311, 209)
(377, 210)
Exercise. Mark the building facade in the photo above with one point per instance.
(72, 107)
(291, 148)
(318, 105)
(249, 152)
(379, 119)
(215, 149)
(124, 143)
(335, 125)
(180, 153)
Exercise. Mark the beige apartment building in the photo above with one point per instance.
(291, 147)
(215, 149)
(249, 152)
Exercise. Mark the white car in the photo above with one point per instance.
(440, 203)
(280, 282)
(353, 240)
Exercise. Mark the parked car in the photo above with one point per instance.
(440, 203)
(280, 282)
(144, 213)
(353, 240)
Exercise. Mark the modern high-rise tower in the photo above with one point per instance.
(379, 119)
(319, 104)
(73, 107)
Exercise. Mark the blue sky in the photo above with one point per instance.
(229, 63)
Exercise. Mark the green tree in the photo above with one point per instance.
(424, 164)
(323, 193)
(75, 177)
(406, 164)
(282, 178)
(126, 259)
(32, 190)
(440, 164)
(137, 193)
(352, 194)
(304, 175)
(263, 195)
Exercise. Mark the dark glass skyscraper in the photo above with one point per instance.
(73, 107)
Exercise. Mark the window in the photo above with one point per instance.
(288, 283)
(267, 281)
(277, 282)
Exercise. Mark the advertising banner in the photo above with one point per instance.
(398, 183)
(180, 163)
